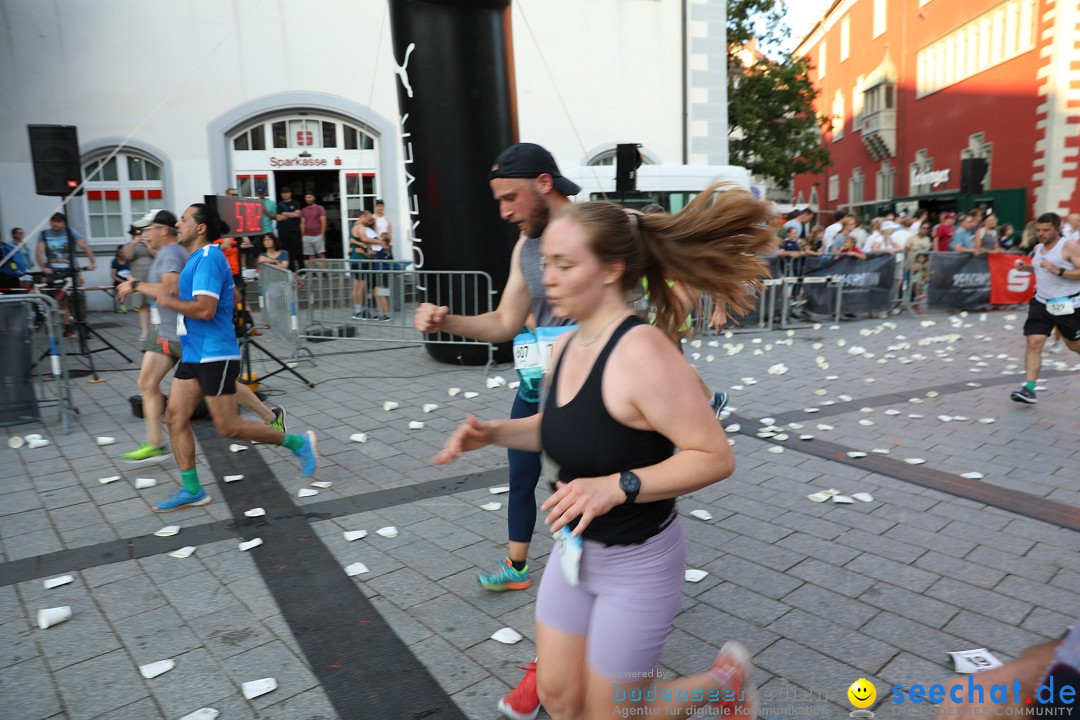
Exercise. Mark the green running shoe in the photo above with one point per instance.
(505, 578)
(146, 453)
(278, 423)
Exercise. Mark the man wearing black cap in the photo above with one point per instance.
(529, 188)
(54, 253)
(288, 227)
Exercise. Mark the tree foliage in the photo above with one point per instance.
(773, 128)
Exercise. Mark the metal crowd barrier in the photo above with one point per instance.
(279, 304)
(52, 384)
(374, 301)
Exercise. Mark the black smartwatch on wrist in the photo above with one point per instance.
(134, 285)
(631, 485)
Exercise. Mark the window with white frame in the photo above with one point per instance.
(814, 202)
(845, 38)
(856, 187)
(886, 181)
(880, 9)
(977, 147)
(302, 132)
(997, 36)
(361, 192)
(834, 188)
(838, 115)
(120, 190)
(821, 60)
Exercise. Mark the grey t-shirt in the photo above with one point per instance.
(170, 259)
(533, 271)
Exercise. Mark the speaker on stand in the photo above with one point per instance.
(54, 150)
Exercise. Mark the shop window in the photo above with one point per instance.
(357, 139)
(281, 134)
(329, 134)
(120, 190)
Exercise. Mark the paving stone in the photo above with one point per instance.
(429, 559)
(948, 566)
(309, 705)
(144, 709)
(452, 671)
(31, 544)
(63, 497)
(22, 522)
(197, 594)
(753, 576)
(455, 620)
(132, 596)
(26, 697)
(993, 604)
(744, 603)
(906, 670)
(16, 643)
(812, 526)
(86, 635)
(1048, 623)
(156, 635)
(96, 686)
(1063, 601)
(476, 700)
(916, 638)
(911, 605)
(828, 576)
(814, 547)
(105, 574)
(714, 626)
(835, 608)
(987, 632)
(771, 556)
(405, 587)
(896, 573)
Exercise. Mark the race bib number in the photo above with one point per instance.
(155, 315)
(526, 355)
(1060, 306)
(181, 328)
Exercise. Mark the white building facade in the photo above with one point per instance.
(176, 100)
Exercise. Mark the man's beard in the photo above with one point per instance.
(539, 218)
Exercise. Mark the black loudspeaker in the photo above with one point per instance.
(54, 150)
(972, 175)
(627, 161)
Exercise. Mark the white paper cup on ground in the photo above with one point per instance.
(156, 668)
(15, 442)
(358, 437)
(255, 688)
(251, 544)
(53, 616)
(357, 568)
(144, 483)
(322, 484)
(351, 535)
(168, 531)
(388, 532)
(416, 425)
(507, 636)
(107, 480)
(37, 443)
(307, 492)
(390, 405)
(58, 581)
(103, 440)
(232, 478)
(31, 437)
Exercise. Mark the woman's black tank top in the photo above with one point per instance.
(586, 441)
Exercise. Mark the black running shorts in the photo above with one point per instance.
(215, 378)
(1040, 322)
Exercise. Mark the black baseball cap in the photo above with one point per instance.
(155, 217)
(529, 160)
(59, 216)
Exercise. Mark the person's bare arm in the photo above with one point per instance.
(168, 285)
(89, 253)
(500, 325)
(322, 224)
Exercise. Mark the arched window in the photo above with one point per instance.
(120, 190)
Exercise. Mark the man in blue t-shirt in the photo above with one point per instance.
(54, 252)
(210, 359)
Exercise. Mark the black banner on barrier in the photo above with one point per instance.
(753, 315)
(867, 283)
(958, 281)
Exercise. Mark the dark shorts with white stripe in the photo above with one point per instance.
(215, 378)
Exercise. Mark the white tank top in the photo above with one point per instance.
(1048, 284)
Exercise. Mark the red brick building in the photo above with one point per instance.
(947, 104)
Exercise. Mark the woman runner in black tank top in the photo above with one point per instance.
(620, 399)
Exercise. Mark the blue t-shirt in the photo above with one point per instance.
(207, 273)
(56, 246)
(961, 238)
(16, 265)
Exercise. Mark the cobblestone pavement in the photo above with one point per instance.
(821, 593)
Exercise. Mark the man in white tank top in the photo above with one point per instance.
(1056, 264)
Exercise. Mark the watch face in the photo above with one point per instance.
(630, 482)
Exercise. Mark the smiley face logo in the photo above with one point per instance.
(862, 693)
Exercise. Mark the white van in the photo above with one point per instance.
(671, 186)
